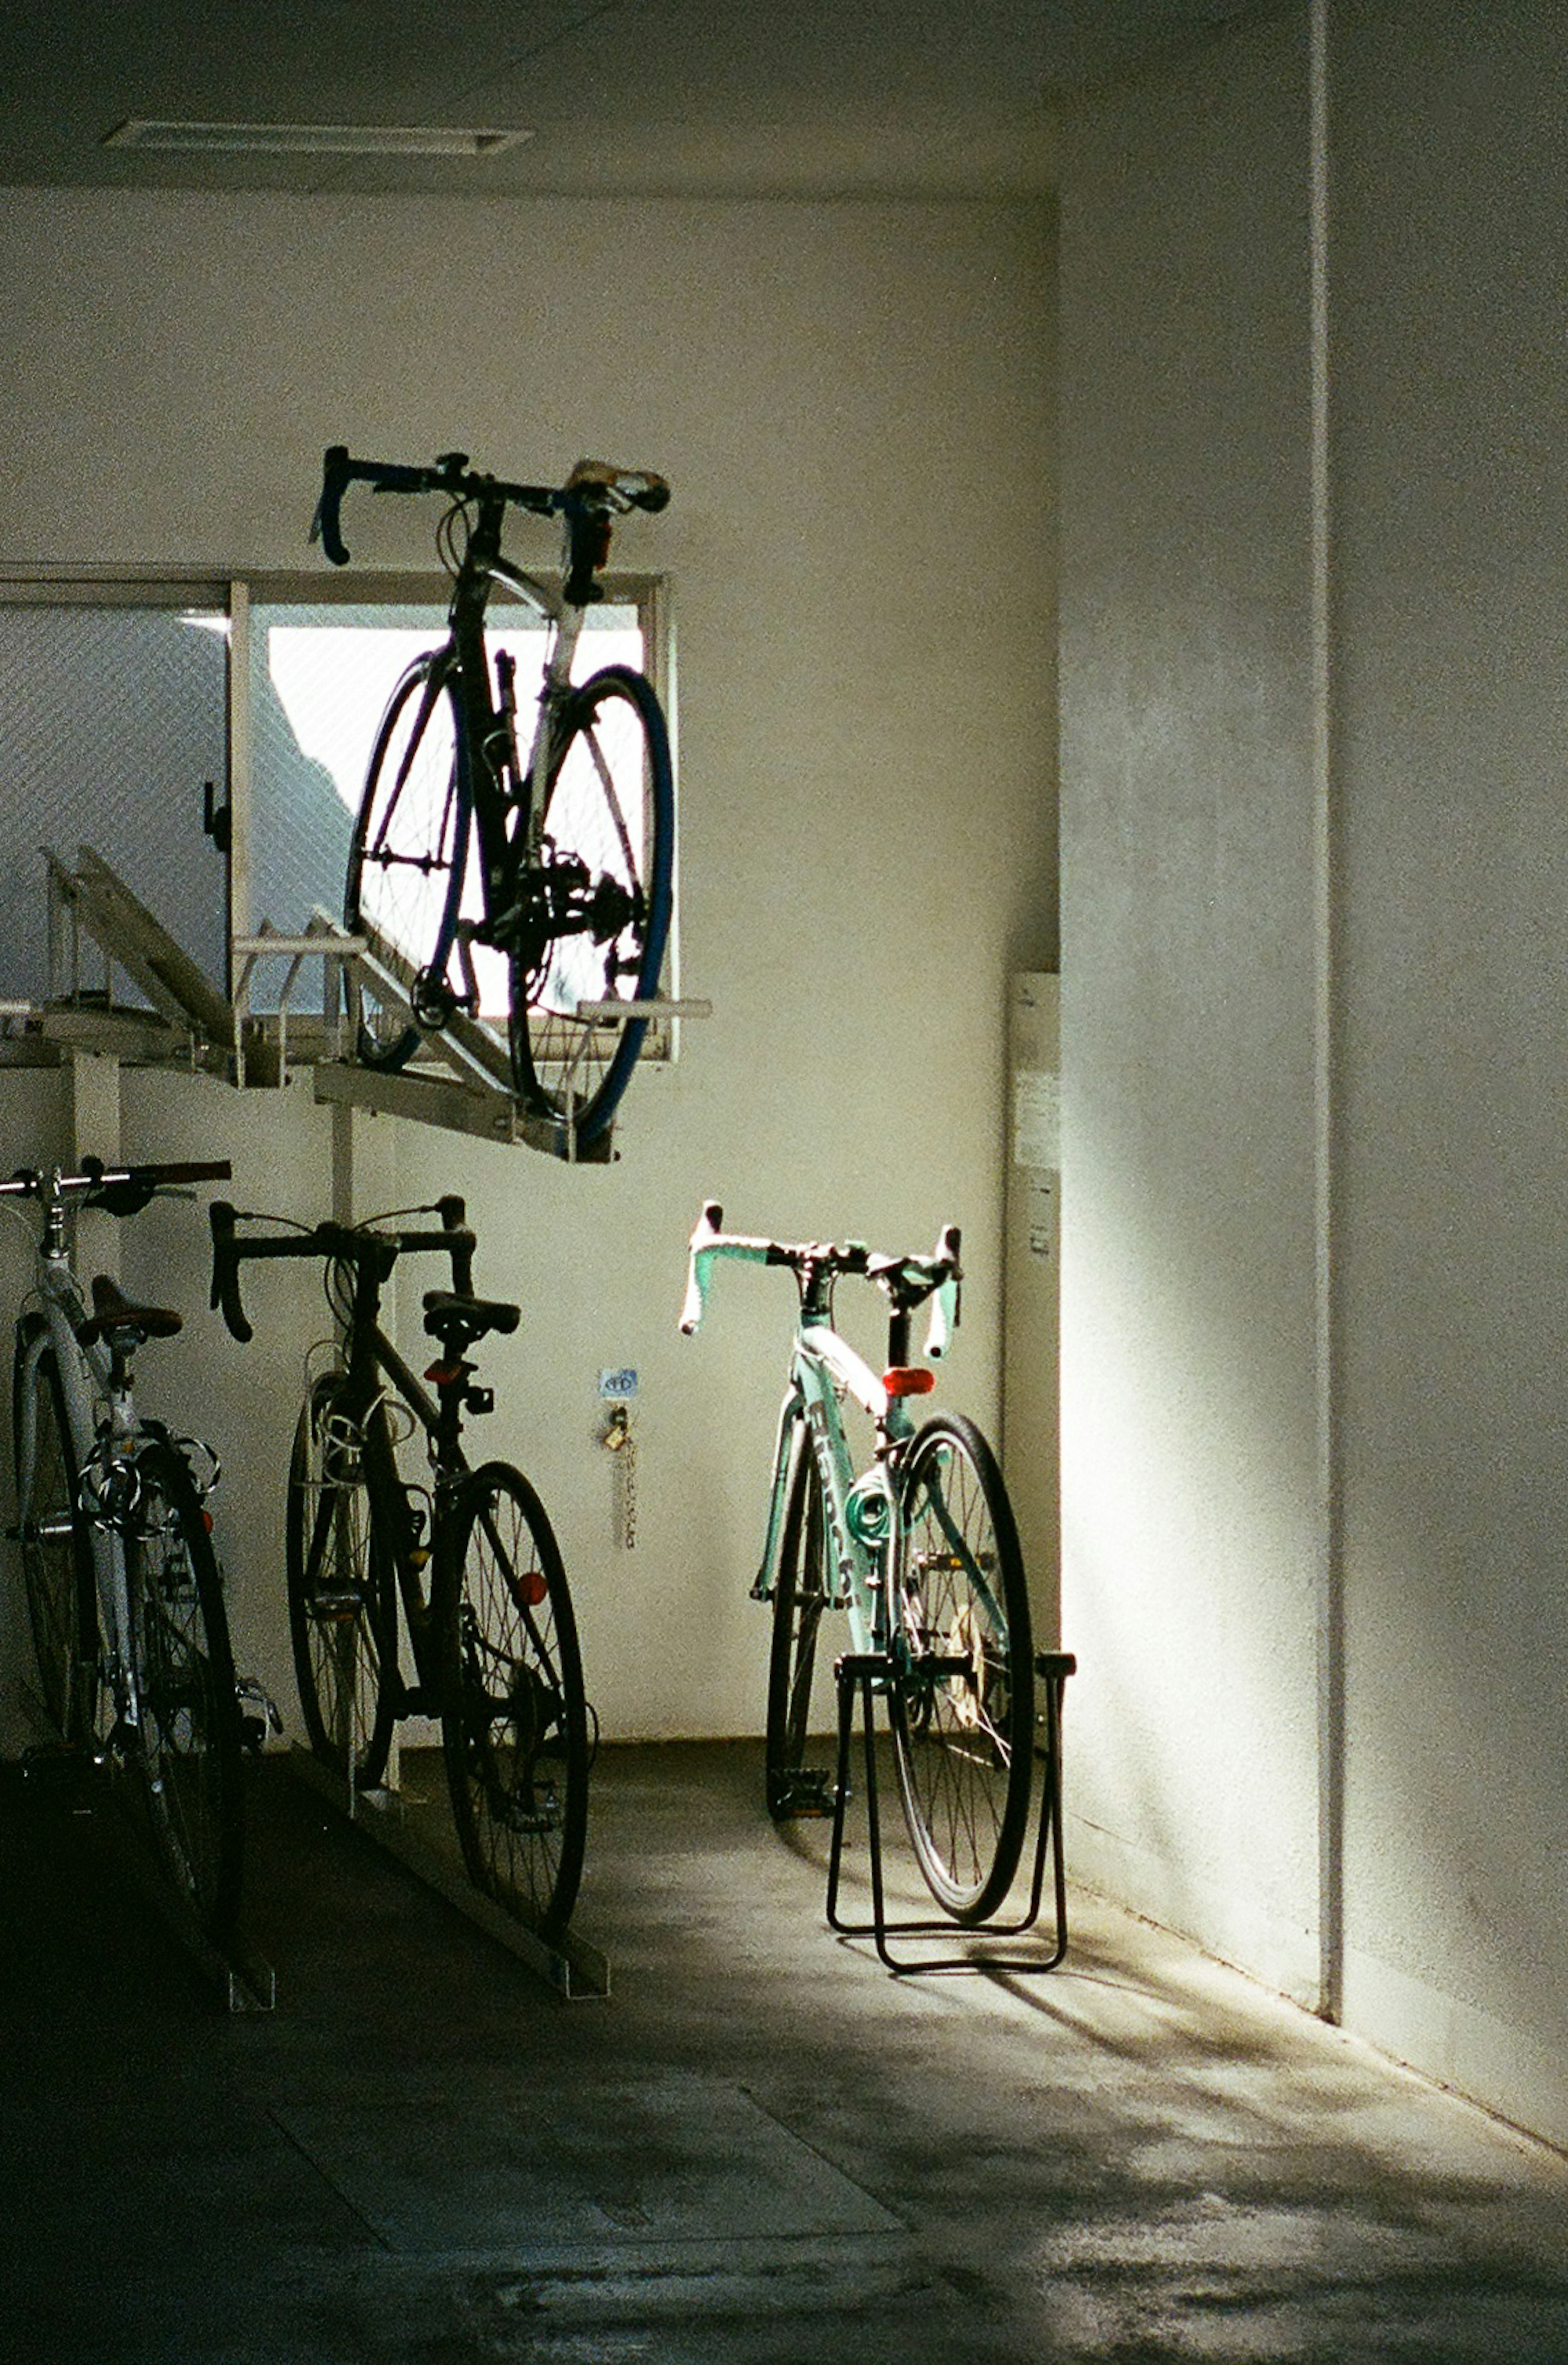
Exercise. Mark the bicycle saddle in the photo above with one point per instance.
(458, 1321)
(114, 1315)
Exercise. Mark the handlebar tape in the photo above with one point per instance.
(339, 472)
(226, 1270)
(325, 527)
(453, 1239)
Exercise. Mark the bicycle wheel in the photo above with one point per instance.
(57, 1561)
(514, 1722)
(187, 1742)
(407, 856)
(596, 912)
(961, 1704)
(802, 1588)
(342, 1606)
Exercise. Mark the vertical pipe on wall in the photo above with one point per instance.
(241, 917)
(1330, 1572)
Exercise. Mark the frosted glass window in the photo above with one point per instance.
(111, 718)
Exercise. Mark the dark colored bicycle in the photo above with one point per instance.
(470, 1556)
(558, 859)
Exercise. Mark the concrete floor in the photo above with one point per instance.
(758, 2148)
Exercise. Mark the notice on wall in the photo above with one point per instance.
(1036, 1118)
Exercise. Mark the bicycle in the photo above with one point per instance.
(471, 1559)
(125, 1596)
(572, 880)
(920, 1549)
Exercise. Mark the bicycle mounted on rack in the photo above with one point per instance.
(575, 849)
(471, 1558)
(124, 1590)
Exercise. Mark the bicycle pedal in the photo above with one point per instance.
(259, 1713)
(792, 1797)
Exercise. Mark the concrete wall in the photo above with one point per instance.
(1188, 964)
(1314, 902)
(852, 403)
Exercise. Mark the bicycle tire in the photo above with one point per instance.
(963, 1744)
(188, 1742)
(408, 852)
(57, 1561)
(342, 1605)
(802, 1588)
(514, 1720)
(612, 766)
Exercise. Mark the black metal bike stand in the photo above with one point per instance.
(230, 1967)
(569, 1963)
(864, 1673)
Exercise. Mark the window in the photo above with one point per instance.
(320, 675)
(120, 704)
(114, 715)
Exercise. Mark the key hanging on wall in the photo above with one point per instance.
(616, 1391)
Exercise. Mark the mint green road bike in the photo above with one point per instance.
(919, 1549)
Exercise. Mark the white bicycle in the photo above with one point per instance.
(123, 1587)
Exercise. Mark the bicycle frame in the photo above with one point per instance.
(864, 1512)
(92, 1374)
(371, 1358)
(490, 721)
(86, 1380)
(507, 796)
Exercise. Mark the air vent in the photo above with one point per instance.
(310, 139)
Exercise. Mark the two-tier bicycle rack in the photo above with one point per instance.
(460, 1082)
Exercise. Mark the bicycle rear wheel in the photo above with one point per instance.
(514, 1722)
(961, 1703)
(407, 856)
(57, 1562)
(802, 1588)
(597, 913)
(187, 1744)
(342, 1603)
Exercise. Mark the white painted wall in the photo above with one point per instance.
(852, 403)
(1189, 1437)
(1452, 513)
(1199, 1405)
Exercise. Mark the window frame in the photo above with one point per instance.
(650, 593)
(234, 594)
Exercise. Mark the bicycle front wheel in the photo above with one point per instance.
(187, 1742)
(599, 908)
(961, 1703)
(514, 1722)
(57, 1563)
(802, 1588)
(342, 1604)
(404, 887)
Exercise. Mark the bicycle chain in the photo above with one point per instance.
(619, 1441)
(628, 1493)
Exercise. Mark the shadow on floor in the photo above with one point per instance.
(758, 2148)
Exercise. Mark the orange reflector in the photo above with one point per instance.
(531, 1584)
(909, 1380)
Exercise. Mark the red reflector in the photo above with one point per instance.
(532, 1586)
(442, 1376)
(909, 1380)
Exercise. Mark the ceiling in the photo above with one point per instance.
(619, 97)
